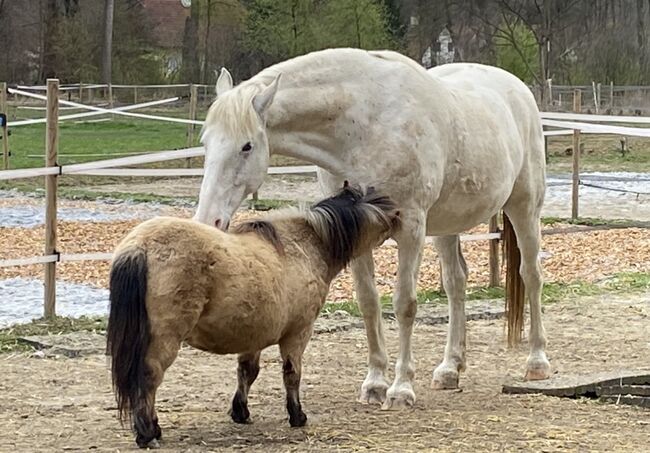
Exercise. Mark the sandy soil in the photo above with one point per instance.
(66, 404)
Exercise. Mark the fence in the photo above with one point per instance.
(565, 124)
(598, 98)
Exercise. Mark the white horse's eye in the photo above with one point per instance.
(247, 147)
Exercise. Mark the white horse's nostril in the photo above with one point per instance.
(217, 223)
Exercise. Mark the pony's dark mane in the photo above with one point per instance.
(341, 220)
(266, 230)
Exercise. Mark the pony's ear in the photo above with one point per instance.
(262, 101)
(224, 82)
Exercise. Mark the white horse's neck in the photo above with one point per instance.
(306, 120)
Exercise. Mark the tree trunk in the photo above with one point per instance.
(107, 48)
(48, 68)
(191, 69)
(205, 73)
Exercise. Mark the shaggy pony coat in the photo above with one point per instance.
(175, 280)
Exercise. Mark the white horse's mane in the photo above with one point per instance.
(234, 111)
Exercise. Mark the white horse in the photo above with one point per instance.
(452, 147)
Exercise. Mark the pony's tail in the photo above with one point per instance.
(128, 333)
(515, 289)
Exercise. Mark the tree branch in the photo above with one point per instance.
(515, 45)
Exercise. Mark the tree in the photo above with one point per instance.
(107, 48)
(191, 68)
(276, 30)
(357, 23)
(48, 54)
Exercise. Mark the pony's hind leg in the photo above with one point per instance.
(527, 229)
(291, 350)
(374, 387)
(247, 370)
(454, 275)
(162, 353)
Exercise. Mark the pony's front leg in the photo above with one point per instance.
(410, 242)
(291, 350)
(247, 371)
(454, 276)
(374, 387)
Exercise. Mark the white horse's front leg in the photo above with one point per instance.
(410, 243)
(454, 275)
(373, 389)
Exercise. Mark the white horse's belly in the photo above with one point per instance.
(461, 211)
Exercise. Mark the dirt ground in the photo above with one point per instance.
(60, 404)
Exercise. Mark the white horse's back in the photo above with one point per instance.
(489, 83)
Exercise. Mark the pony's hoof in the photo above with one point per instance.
(298, 420)
(143, 442)
(538, 371)
(399, 399)
(373, 391)
(445, 379)
(240, 414)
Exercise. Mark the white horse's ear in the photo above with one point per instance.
(263, 100)
(224, 82)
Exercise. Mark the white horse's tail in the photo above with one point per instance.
(515, 289)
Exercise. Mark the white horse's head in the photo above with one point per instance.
(236, 148)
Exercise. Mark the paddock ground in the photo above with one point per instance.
(63, 404)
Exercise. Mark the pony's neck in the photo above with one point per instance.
(300, 240)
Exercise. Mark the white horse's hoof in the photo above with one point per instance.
(537, 369)
(445, 378)
(399, 398)
(373, 391)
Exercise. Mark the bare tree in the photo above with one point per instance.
(48, 46)
(107, 47)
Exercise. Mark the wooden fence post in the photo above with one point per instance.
(81, 92)
(190, 127)
(611, 94)
(135, 94)
(494, 253)
(110, 95)
(577, 107)
(5, 127)
(598, 91)
(51, 151)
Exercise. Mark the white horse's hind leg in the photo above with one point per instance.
(410, 243)
(373, 389)
(454, 274)
(527, 230)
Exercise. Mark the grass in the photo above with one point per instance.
(115, 136)
(625, 282)
(590, 221)
(9, 337)
(601, 153)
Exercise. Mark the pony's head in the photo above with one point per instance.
(353, 222)
(236, 148)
